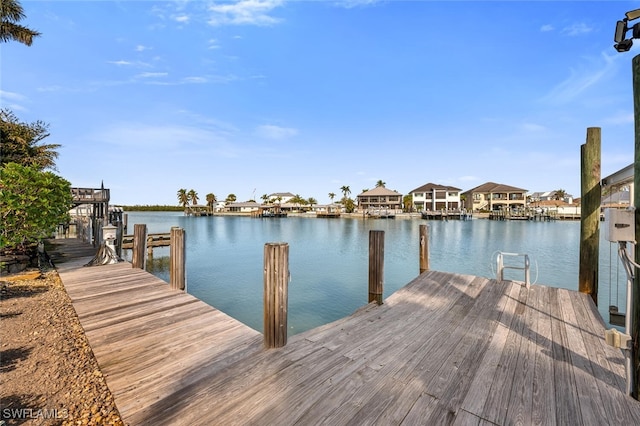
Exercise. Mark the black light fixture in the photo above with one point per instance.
(623, 44)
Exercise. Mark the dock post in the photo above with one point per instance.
(590, 214)
(424, 248)
(635, 297)
(177, 259)
(376, 266)
(138, 259)
(276, 294)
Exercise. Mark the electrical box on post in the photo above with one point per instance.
(619, 225)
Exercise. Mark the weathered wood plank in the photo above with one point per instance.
(543, 387)
(445, 349)
(497, 403)
(477, 394)
(567, 404)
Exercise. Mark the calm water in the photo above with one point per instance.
(328, 259)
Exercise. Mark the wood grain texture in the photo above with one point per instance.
(445, 349)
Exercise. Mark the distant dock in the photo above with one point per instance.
(445, 349)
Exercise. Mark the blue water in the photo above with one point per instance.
(328, 259)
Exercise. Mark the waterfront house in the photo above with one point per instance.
(550, 196)
(380, 198)
(434, 197)
(246, 207)
(280, 197)
(494, 196)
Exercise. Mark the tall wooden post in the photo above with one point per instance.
(424, 248)
(635, 296)
(276, 294)
(177, 259)
(590, 214)
(376, 266)
(138, 259)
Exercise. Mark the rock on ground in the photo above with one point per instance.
(48, 373)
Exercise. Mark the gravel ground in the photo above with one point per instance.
(48, 373)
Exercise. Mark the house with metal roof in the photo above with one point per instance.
(380, 198)
(434, 197)
(494, 196)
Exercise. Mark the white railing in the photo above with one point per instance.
(501, 266)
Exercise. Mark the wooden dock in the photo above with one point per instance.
(445, 349)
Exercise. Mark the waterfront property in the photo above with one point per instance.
(435, 197)
(445, 349)
(495, 196)
(380, 198)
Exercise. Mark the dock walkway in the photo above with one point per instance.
(445, 349)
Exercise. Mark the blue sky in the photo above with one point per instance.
(260, 96)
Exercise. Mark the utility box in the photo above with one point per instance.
(619, 225)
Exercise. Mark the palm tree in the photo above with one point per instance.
(345, 190)
(20, 142)
(10, 13)
(183, 199)
(312, 201)
(231, 198)
(560, 194)
(193, 196)
(211, 199)
(265, 198)
(332, 196)
(380, 183)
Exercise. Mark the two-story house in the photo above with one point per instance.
(435, 197)
(380, 198)
(494, 196)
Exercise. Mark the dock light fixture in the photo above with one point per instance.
(624, 44)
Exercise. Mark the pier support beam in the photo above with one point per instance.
(177, 259)
(635, 297)
(138, 258)
(424, 248)
(276, 294)
(590, 214)
(376, 266)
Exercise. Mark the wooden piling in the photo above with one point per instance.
(177, 259)
(635, 288)
(424, 248)
(590, 214)
(376, 266)
(138, 259)
(276, 294)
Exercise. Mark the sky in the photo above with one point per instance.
(256, 97)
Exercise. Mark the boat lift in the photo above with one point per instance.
(620, 228)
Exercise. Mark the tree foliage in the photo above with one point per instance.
(20, 143)
(11, 12)
(32, 204)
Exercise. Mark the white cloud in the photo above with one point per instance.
(270, 131)
(213, 44)
(12, 96)
(356, 3)
(120, 63)
(580, 80)
(152, 74)
(182, 19)
(197, 80)
(244, 12)
(141, 48)
(546, 28)
(577, 29)
(166, 139)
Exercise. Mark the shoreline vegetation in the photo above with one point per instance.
(355, 215)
